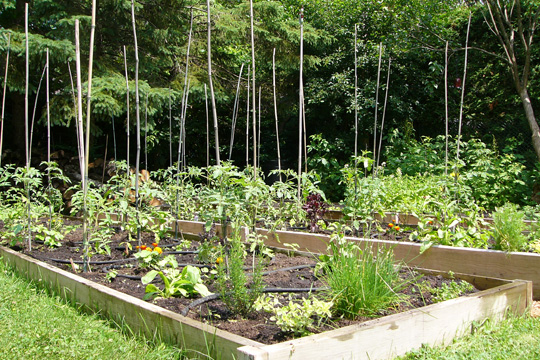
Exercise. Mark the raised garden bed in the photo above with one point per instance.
(392, 335)
(488, 263)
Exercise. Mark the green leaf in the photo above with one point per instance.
(149, 277)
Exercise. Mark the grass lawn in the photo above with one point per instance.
(38, 325)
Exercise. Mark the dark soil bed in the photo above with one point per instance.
(257, 326)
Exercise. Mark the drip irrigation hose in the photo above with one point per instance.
(61, 261)
(216, 296)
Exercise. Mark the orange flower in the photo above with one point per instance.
(158, 250)
(397, 228)
(154, 244)
(390, 225)
(143, 247)
(137, 247)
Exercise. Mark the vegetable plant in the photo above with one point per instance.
(186, 283)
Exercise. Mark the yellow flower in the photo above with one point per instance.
(158, 250)
(219, 260)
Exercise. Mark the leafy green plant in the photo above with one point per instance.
(237, 291)
(152, 257)
(508, 227)
(362, 281)
(296, 317)
(451, 290)
(186, 283)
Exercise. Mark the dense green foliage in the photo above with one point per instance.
(412, 34)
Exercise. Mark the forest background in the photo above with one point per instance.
(413, 34)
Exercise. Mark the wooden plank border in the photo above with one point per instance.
(397, 334)
(381, 338)
(143, 318)
(478, 262)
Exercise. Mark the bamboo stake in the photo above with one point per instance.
(35, 110)
(48, 140)
(127, 106)
(185, 95)
(247, 117)
(275, 110)
(138, 121)
(170, 128)
(79, 110)
(26, 127)
(184, 162)
(376, 109)
(105, 157)
(355, 110)
(80, 131)
(146, 133)
(114, 136)
(211, 84)
(207, 128)
(253, 95)
(446, 111)
(301, 103)
(384, 111)
(235, 112)
(462, 95)
(4, 97)
(86, 244)
(259, 131)
(74, 103)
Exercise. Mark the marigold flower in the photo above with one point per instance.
(158, 250)
(397, 228)
(137, 247)
(219, 260)
(154, 244)
(143, 247)
(390, 225)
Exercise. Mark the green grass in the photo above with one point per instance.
(37, 325)
(517, 337)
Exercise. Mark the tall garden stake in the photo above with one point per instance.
(127, 106)
(462, 96)
(384, 111)
(138, 121)
(146, 132)
(4, 97)
(376, 109)
(207, 127)
(275, 110)
(170, 128)
(210, 83)
(86, 242)
(80, 130)
(114, 137)
(235, 112)
(253, 95)
(300, 104)
(355, 111)
(48, 140)
(247, 117)
(446, 111)
(28, 208)
(259, 130)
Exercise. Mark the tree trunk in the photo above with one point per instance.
(531, 120)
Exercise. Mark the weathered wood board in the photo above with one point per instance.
(377, 339)
(488, 263)
(142, 317)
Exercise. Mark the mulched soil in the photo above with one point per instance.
(257, 326)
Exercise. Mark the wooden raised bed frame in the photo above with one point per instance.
(377, 339)
(479, 262)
